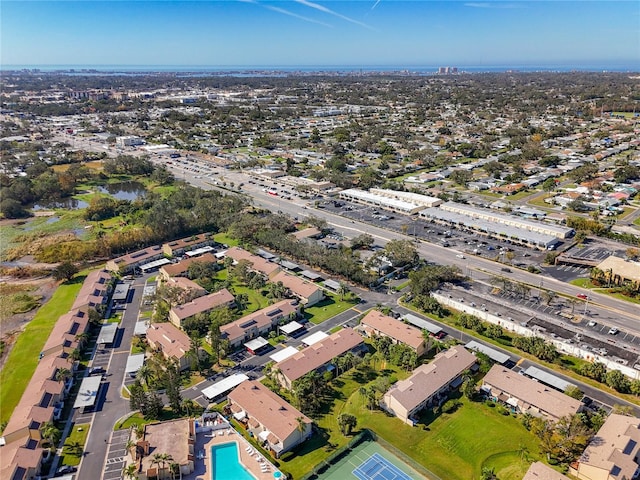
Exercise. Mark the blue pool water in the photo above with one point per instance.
(226, 465)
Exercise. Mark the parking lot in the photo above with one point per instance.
(560, 319)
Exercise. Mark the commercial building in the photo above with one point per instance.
(276, 424)
(620, 270)
(318, 356)
(510, 220)
(172, 342)
(129, 141)
(428, 385)
(527, 395)
(361, 196)
(180, 313)
(307, 292)
(490, 229)
(259, 322)
(378, 324)
(612, 454)
(411, 197)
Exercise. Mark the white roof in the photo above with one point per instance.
(88, 392)
(107, 333)
(134, 362)
(224, 385)
(314, 338)
(141, 328)
(291, 327)
(199, 251)
(492, 353)
(256, 343)
(332, 284)
(421, 323)
(154, 264)
(283, 354)
(263, 435)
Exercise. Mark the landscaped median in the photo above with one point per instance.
(23, 358)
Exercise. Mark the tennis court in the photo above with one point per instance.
(376, 467)
(370, 461)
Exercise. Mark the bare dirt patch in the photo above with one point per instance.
(11, 324)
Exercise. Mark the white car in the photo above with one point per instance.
(613, 331)
(460, 255)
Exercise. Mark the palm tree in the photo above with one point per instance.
(62, 374)
(343, 290)
(130, 471)
(301, 426)
(75, 354)
(129, 447)
(51, 433)
(82, 338)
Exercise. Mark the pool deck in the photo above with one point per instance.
(203, 469)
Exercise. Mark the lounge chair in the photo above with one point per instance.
(221, 433)
(248, 449)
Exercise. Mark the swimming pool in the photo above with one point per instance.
(226, 463)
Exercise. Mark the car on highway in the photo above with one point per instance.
(613, 331)
(582, 296)
(460, 255)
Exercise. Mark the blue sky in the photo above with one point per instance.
(306, 32)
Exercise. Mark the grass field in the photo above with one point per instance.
(23, 358)
(472, 437)
(74, 445)
(226, 239)
(329, 307)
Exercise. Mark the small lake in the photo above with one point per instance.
(124, 190)
(68, 203)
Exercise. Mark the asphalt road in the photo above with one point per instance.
(112, 405)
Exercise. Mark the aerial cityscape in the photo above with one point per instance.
(320, 240)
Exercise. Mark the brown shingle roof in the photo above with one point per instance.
(259, 319)
(547, 399)
(258, 263)
(319, 354)
(172, 341)
(428, 379)
(271, 411)
(297, 285)
(614, 447)
(393, 328)
(203, 304)
(180, 268)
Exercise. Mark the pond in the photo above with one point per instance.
(124, 190)
(68, 203)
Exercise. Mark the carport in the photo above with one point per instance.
(314, 338)
(256, 345)
(88, 392)
(120, 293)
(134, 363)
(292, 329)
(107, 334)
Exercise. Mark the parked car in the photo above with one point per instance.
(97, 371)
(613, 331)
(66, 469)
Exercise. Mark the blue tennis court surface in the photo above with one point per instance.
(376, 467)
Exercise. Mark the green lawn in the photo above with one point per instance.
(472, 437)
(226, 239)
(23, 358)
(329, 307)
(74, 444)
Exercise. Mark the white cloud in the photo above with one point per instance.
(324, 9)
